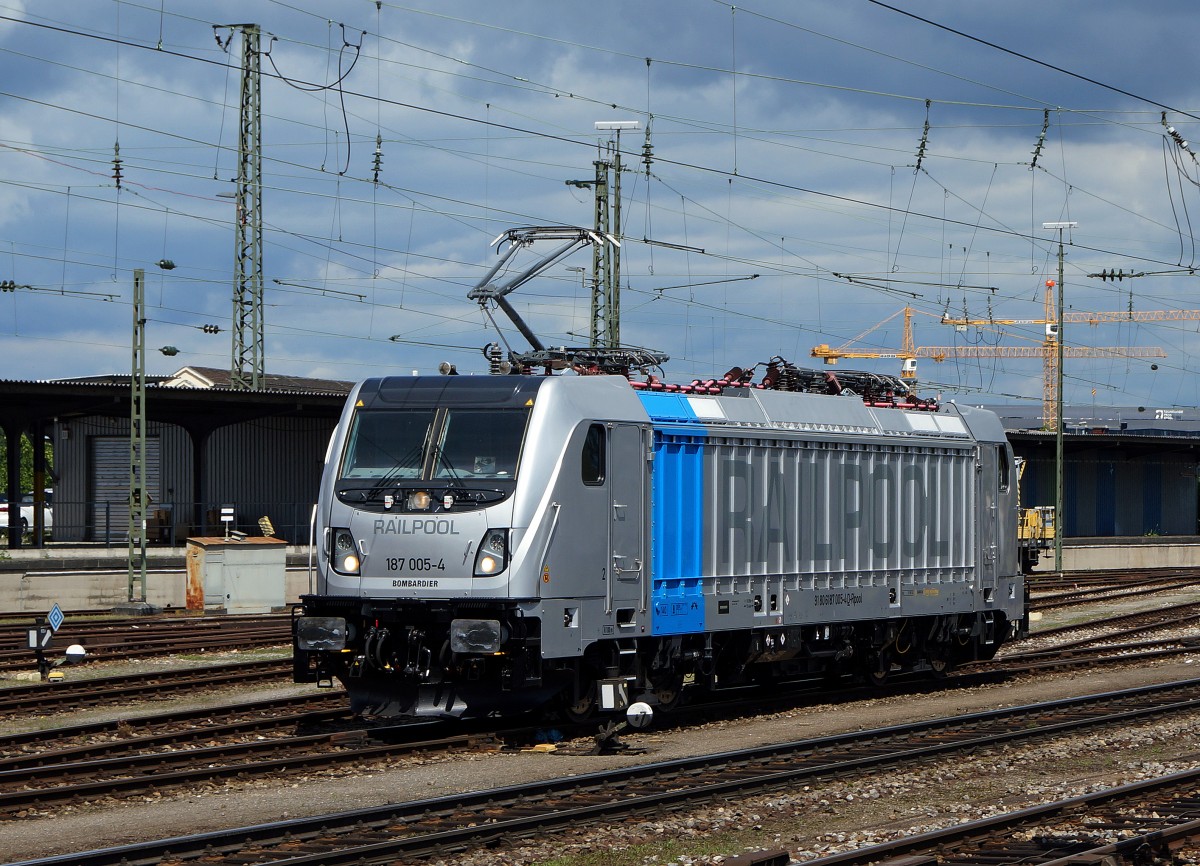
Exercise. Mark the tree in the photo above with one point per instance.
(26, 467)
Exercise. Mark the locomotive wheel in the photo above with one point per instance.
(878, 668)
(668, 697)
(580, 708)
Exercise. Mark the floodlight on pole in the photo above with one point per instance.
(137, 445)
(138, 494)
(1059, 521)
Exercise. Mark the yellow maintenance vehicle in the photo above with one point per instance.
(1035, 528)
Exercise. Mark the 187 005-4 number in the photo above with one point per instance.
(414, 563)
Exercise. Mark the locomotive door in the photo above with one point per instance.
(627, 516)
(989, 516)
(1006, 508)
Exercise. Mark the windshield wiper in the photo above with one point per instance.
(443, 460)
(392, 474)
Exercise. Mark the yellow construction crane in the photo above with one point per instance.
(1047, 351)
(908, 353)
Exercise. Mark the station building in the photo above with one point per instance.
(208, 447)
(1129, 473)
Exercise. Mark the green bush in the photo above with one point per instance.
(26, 469)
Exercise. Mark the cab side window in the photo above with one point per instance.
(1003, 467)
(593, 456)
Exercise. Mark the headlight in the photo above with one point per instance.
(418, 500)
(492, 557)
(344, 556)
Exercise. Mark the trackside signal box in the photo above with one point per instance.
(234, 575)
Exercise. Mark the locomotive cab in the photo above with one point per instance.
(457, 514)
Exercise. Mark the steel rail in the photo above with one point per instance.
(1096, 650)
(1132, 631)
(1153, 615)
(454, 823)
(1168, 829)
(100, 632)
(133, 639)
(13, 660)
(50, 697)
(126, 774)
(11, 744)
(1107, 576)
(1067, 599)
(89, 759)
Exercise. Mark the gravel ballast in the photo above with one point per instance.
(813, 820)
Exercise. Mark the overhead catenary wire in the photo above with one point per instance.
(730, 256)
(680, 164)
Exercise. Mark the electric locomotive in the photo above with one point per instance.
(494, 544)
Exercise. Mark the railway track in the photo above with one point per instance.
(277, 736)
(1122, 625)
(175, 729)
(446, 825)
(139, 637)
(1089, 656)
(47, 698)
(1120, 591)
(1136, 823)
(85, 624)
(1104, 643)
(1107, 576)
(258, 749)
(1027, 656)
(139, 763)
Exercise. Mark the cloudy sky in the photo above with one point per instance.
(814, 168)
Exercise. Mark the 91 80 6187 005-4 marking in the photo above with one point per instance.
(414, 563)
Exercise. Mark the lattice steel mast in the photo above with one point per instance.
(606, 262)
(246, 373)
(606, 256)
(137, 444)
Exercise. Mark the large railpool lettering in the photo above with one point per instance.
(914, 530)
(773, 510)
(754, 523)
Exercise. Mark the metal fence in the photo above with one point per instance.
(105, 523)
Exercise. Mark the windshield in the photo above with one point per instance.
(387, 444)
(480, 443)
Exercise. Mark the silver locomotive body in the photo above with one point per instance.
(490, 544)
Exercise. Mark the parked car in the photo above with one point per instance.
(27, 506)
